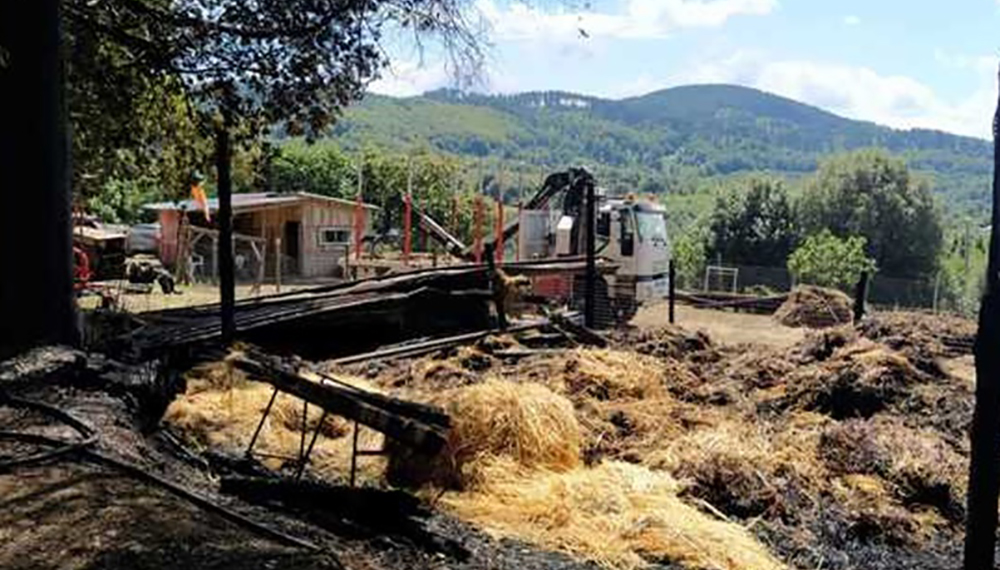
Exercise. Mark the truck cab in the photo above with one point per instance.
(633, 233)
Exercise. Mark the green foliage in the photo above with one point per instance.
(120, 201)
(150, 81)
(869, 193)
(689, 255)
(753, 224)
(830, 261)
(439, 186)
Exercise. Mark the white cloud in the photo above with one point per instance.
(857, 92)
(638, 18)
(852, 20)
(406, 78)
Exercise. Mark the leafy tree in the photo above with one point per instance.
(754, 225)
(871, 194)
(830, 261)
(689, 255)
(149, 76)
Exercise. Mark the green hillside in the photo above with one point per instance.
(667, 141)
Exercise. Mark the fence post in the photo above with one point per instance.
(860, 294)
(672, 289)
(590, 290)
(277, 265)
(937, 289)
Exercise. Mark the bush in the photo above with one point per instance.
(829, 261)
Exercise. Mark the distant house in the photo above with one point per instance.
(312, 232)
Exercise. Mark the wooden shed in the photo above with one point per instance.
(310, 233)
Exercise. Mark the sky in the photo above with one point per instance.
(905, 64)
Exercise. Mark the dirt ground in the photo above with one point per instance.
(726, 327)
(190, 295)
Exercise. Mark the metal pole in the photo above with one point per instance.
(672, 290)
(498, 232)
(354, 454)
(260, 425)
(984, 464)
(407, 212)
(590, 291)
(860, 294)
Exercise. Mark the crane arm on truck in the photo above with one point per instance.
(572, 183)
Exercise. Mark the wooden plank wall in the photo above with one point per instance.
(319, 260)
(314, 215)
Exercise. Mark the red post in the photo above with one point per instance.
(477, 229)
(407, 227)
(499, 232)
(517, 236)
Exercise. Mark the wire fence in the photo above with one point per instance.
(942, 292)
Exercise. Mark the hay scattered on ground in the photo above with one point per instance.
(841, 451)
(221, 410)
(619, 515)
(814, 307)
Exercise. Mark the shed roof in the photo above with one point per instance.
(255, 201)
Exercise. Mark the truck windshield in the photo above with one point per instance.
(652, 226)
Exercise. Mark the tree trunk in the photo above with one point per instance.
(227, 281)
(36, 256)
(984, 464)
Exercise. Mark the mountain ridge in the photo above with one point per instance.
(662, 140)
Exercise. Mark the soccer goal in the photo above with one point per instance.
(721, 278)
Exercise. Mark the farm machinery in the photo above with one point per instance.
(630, 235)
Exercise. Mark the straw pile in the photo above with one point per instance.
(526, 423)
(221, 408)
(814, 307)
(619, 515)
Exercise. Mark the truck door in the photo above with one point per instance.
(626, 236)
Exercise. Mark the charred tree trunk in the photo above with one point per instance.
(984, 467)
(36, 256)
(227, 280)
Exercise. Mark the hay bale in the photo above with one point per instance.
(815, 307)
(527, 423)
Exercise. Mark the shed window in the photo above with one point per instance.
(334, 236)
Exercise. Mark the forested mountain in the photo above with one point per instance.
(668, 140)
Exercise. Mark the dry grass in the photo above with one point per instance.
(619, 515)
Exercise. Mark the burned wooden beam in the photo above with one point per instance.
(413, 349)
(403, 427)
